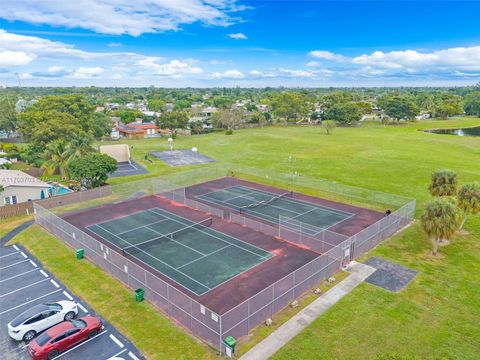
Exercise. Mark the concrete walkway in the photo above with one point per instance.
(9, 236)
(265, 349)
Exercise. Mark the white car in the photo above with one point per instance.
(40, 317)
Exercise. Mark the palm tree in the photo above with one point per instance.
(469, 200)
(79, 145)
(57, 159)
(439, 221)
(444, 183)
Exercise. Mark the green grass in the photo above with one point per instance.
(7, 225)
(435, 317)
(149, 330)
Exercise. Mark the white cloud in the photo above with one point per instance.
(326, 55)
(229, 74)
(121, 16)
(238, 36)
(114, 44)
(15, 58)
(87, 72)
(297, 73)
(173, 68)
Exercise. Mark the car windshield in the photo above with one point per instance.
(54, 306)
(79, 323)
(42, 339)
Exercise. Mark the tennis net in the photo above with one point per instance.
(265, 202)
(140, 247)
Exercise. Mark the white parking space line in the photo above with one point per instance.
(28, 302)
(44, 273)
(13, 253)
(17, 263)
(54, 283)
(83, 343)
(115, 356)
(82, 307)
(23, 288)
(23, 254)
(68, 295)
(132, 355)
(15, 276)
(16, 247)
(31, 262)
(114, 338)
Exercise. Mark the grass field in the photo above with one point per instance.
(435, 317)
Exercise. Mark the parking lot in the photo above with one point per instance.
(24, 283)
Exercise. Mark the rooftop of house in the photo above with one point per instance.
(19, 178)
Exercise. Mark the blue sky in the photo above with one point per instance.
(204, 43)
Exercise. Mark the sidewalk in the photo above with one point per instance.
(265, 349)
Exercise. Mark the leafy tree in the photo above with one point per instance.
(223, 102)
(334, 98)
(1, 188)
(469, 200)
(365, 107)
(448, 105)
(8, 115)
(472, 104)
(258, 118)
(196, 127)
(443, 183)
(290, 106)
(181, 105)
(44, 126)
(344, 113)
(128, 116)
(398, 107)
(228, 119)
(173, 120)
(102, 125)
(439, 221)
(157, 105)
(329, 125)
(92, 169)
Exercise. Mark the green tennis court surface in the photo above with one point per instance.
(271, 207)
(191, 254)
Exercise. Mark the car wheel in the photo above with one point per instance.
(69, 316)
(29, 335)
(53, 354)
(92, 333)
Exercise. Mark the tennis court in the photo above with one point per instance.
(191, 254)
(273, 207)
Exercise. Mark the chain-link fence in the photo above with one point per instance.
(335, 249)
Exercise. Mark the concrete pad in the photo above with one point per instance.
(269, 346)
(389, 276)
(182, 157)
(129, 169)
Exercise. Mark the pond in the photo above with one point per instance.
(472, 131)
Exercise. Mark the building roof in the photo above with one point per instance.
(143, 126)
(19, 178)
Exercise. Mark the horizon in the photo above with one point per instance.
(235, 43)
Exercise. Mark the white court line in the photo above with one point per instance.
(82, 343)
(54, 283)
(15, 276)
(68, 295)
(28, 302)
(143, 226)
(23, 254)
(12, 253)
(44, 273)
(16, 247)
(132, 356)
(23, 288)
(82, 307)
(31, 262)
(204, 256)
(114, 338)
(20, 262)
(115, 356)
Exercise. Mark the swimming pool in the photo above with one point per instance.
(56, 189)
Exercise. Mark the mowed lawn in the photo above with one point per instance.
(435, 317)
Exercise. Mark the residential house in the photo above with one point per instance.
(138, 129)
(20, 187)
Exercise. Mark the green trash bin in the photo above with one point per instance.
(230, 343)
(80, 254)
(139, 294)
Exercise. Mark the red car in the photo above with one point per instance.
(63, 336)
